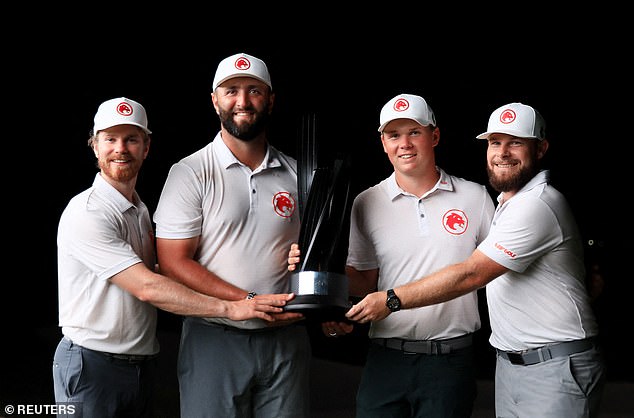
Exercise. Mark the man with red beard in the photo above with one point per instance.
(104, 365)
(532, 263)
(224, 221)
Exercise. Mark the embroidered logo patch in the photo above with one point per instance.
(284, 204)
(124, 109)
(507, 116)
(455, 221)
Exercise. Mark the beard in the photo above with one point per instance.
(512, 182)
(120, 174)
(246, 131)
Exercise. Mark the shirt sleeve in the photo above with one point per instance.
(523, 232)
(179, 210)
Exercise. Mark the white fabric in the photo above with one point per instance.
(408, 238)
(246, 219)
(542, 299)
(100, 234)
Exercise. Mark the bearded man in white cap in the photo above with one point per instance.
(225, 219)
(418, 220)
(532, 264)
(104, 366)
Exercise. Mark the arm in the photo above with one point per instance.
(172, 296)
(446, 284)
(362, 282)
(176, 260)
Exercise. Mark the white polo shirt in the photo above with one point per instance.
(543, 298)
(100, 234)
(407, 237)
(246, 219)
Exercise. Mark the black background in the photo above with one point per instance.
(342, 71)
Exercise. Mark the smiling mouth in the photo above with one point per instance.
(505, 165)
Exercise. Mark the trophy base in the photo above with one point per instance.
(319, 295)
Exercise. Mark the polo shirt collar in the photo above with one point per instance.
(443, 183)
(227, 159)
(112, 194)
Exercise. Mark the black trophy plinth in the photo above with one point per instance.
(321, 290)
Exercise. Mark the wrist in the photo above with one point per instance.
(393, 302)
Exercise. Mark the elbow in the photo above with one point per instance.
(146, 294)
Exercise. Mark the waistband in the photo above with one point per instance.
(128, 358)
(432, 347)
(231, 328)
(547, 352)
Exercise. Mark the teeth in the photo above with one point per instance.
(406, 156)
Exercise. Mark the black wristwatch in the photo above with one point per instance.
(393, 303)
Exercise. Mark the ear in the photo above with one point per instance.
(383, 143)
(435, 136)
(214, 102)
(147, 147)
(94, 147)
(542, 147)
(271, 102)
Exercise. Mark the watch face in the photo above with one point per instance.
(393, 302)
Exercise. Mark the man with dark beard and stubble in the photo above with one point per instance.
(225, 219)
(532, 264)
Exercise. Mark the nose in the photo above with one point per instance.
(242, 98)
(504, 150)
(405, 142)
(120, 146)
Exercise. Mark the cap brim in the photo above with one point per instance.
(384, 124)
(242, 75)
(485, 135)
(97, 129)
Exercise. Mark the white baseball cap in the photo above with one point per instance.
(120, 111)
(407, 106)
(516, 119)
(241, 65)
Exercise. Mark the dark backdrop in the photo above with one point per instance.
(53, 84)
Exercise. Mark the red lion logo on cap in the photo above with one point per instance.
(401, 105)
(507, 116)
(124, 109)
(284, 204)
(455, 221)
(242, 63)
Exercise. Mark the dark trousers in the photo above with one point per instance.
(398, 384)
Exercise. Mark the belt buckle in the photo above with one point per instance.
(515, 358)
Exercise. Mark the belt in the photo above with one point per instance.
(433, 347)
(130, 358)
(547, 352)
(231, 328)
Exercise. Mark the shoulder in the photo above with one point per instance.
(466, 184)
(285, 159)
